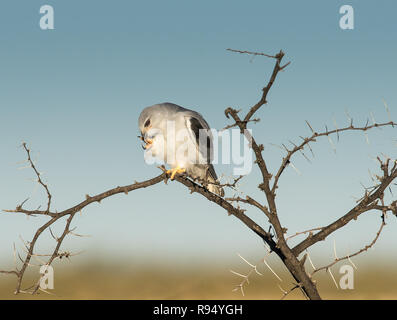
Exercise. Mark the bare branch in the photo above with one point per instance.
(39, 180)
(313, 138)
(368, 202)
(348, 257)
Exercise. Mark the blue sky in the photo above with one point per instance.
(75, 93)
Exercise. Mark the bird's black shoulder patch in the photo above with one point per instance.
(196, 126)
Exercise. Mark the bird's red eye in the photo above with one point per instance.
(147, 123)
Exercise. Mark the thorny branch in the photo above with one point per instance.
(274, 238)
(349, 256)
(54, 217)
(38, 174)
(287, 159)
(269, 186)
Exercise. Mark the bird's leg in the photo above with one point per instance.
(174, 171)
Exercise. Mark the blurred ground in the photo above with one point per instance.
(95, 281)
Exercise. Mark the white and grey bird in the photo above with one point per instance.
(182, 139)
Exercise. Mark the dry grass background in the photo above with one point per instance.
(93, 280)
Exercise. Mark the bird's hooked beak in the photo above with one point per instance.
(147, 142)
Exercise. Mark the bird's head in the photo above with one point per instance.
(148, 122)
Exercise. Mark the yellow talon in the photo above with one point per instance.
(148, 143)
(175, 171)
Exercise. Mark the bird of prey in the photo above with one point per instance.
(192, 154)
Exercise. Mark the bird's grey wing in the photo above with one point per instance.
(196, 124)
